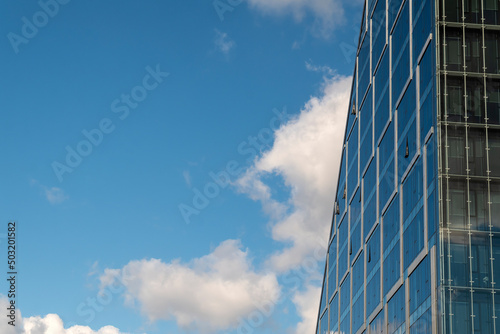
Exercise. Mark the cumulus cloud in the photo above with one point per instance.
(210, 293)
(327, 13)
(50, 324)
(222, 42)
(307, 305)
(306, 154)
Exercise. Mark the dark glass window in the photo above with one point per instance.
(407, 147)
(483, 312)
(364, 67)
(454, 108)
(455, 149)
(366, 123)
(494, 153)
(369, 215)
(431, 162)
(475, 100)
(453, 10)
(358, 275)
(345, 300)
(391, 222)
(431, 214)
(472, 11)
(356, 208)
(413, 238)
(379, 33)
(391, 268)
(473, 52)
(491, 13)
(400, 53)
(373, 252)
(496, 259)
(386, 166)
(396, 311)
(457, 203)
(373, 272)
(480, 260)
(457, 259)
(493, 101)
(393, 10)
(343, 241)
(420, 284)
(341, 199)
(382, 107)
(355, 241)
(370, 198)
(422, 25)
(426, 116)
(413, 189)
(453, 49)
(373, 292)
(495, 214)
(352, 174)
(492, 52)
(426, 71)
(358, 313)
(477, 152)
(352, 105)
(406, 109)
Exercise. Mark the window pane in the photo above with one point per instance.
(396, 311)
(391, 222)
(494, 153)
(391, 268)
(493, 101)
(453, 60)
(382, 107)
(379, 31)
(477, 152)
(473, 52)
(492, 52)
(453, 10)
(454, 107)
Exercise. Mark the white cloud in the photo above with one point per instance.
(208, 294)
(327, 71)
(327, 13)
(50, 324)
(54, 195)
(222, 42)
(306, 154)
(307, 305)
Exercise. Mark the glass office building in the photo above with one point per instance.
(415, 238)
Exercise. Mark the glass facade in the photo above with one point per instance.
(415, 238)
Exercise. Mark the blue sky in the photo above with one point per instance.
(171, 164)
